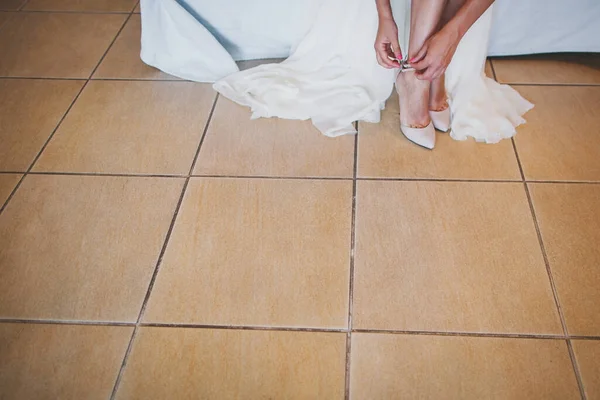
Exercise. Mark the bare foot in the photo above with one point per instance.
(438, 99)
(414, 100)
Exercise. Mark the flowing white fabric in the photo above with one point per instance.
(333, 78)
(172, 38)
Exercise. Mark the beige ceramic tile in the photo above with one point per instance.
(123, 59)
(60, 361)
(81, 5)
(5, 16)
(235, 145)
(442, 367)
(131, 127)
(29, 112)
(384, 152)
(82, 247)
(7, 184)
(488, 69)
(569, 219)
(448, 256)
(560, 139)
(233, 364)
(11, 5)
(549, 68)
(258, 252)
(63, 45)
(587, 353)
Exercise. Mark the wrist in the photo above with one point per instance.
(386, 17)
(454, 29)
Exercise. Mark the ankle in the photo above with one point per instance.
(438, 98)
(438, 105)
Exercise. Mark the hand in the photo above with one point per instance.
(434, 57)
(386, 44)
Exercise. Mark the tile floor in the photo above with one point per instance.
(156, 243)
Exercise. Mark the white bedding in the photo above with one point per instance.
(200, 39)
(332, 77)
(270, 28)
(545, 26)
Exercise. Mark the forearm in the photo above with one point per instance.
(467, 15)
(384, 9)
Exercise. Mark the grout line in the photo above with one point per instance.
(116, 175)
(74, 12)
(512, 139)
(146, 80)
(10, 196)
(577, 337)
(39, 78)
(551, 277)
(565, 182)
(576, 369)
(57, 78)
(440, 180)
(123, 363)
(160, 258)
(309, 178)
(23, 5)
(210, 116)
(551, 280)
(553, 84)
(295, 329)
(352, 264)
(110, 46)
(7, 19)
(63, 322)
(555, 293)
(149, 290)
(243, 328)
(319, 178)
(461, 334)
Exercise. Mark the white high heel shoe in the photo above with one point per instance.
(441, 119)
(424, 137)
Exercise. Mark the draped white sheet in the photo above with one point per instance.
(175, 42)
(333, 78)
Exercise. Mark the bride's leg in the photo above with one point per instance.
(414, 93)
(438, 99)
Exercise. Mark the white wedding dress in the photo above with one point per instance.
(332, 78)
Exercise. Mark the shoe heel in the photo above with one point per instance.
(441, 119)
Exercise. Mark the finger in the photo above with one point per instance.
(385, 57)
(379, 60)
(391, 56)
(383, 61)
(420, 55)
(395, 47)
(424, 64)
